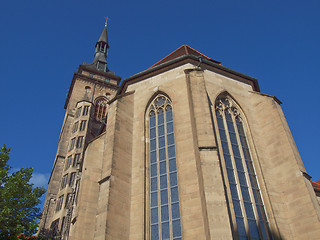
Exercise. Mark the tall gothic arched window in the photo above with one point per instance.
(163, 194)
(100, 109)
(245, 201)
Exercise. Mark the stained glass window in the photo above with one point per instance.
(248, 209)
(163, 188)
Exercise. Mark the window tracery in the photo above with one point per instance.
(163, 205)
(100, 109)
(245, 196)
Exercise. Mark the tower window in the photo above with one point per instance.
(101, 66)
(62, 224)
(76, 159)
(75, 127)
(78, 112)
(68, 199)
(59, 203)
(83, 125)
(100, 109)
(79, 142)
(85, 110)
(163, 196)
(87, 89)
(55, 225)
(72, 144)
(68, 163)
(64, 181)
(71, 180)
(245, 198)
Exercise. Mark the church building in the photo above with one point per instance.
(186, 149)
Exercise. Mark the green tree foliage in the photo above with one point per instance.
(18, 200)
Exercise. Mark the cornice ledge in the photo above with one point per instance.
(104, 179)
(267, 95)
(84, 77)
(306, 175)
(207, 148)
(121, 96)
(90, 79)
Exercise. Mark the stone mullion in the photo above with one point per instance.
(246, 172)
(168, 173)
(253, 203)
(147, 222)
(258, 204)
(224, 167)
(235, 172)
(158, 175)
(148, 183)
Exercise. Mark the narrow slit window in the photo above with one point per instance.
(76, 160)
(73, 140)
(83, 125)
(59, 203)
(64, 181)
(72, 178)
(78, 112)
(68, 163)
(79, 142)
(75, 127)
(85, 111)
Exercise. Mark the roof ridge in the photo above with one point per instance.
(198, 52)
(186, 48)
(181, 51)
(166, 56)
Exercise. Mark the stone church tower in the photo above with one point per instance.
(187, 149)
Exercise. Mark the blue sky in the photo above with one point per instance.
(43, 42)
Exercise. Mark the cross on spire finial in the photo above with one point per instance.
(106, 23)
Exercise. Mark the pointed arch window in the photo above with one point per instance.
(163, 203)
(100, 109)
(245, 200)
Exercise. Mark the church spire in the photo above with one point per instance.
(101, 52)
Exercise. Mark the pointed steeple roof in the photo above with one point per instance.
(181, 51)
(101, 52)
(104, 36)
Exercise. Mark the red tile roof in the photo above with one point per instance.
(315, 185)
(181, 51)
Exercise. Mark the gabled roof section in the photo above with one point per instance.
(183, 55)
(181, 51)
